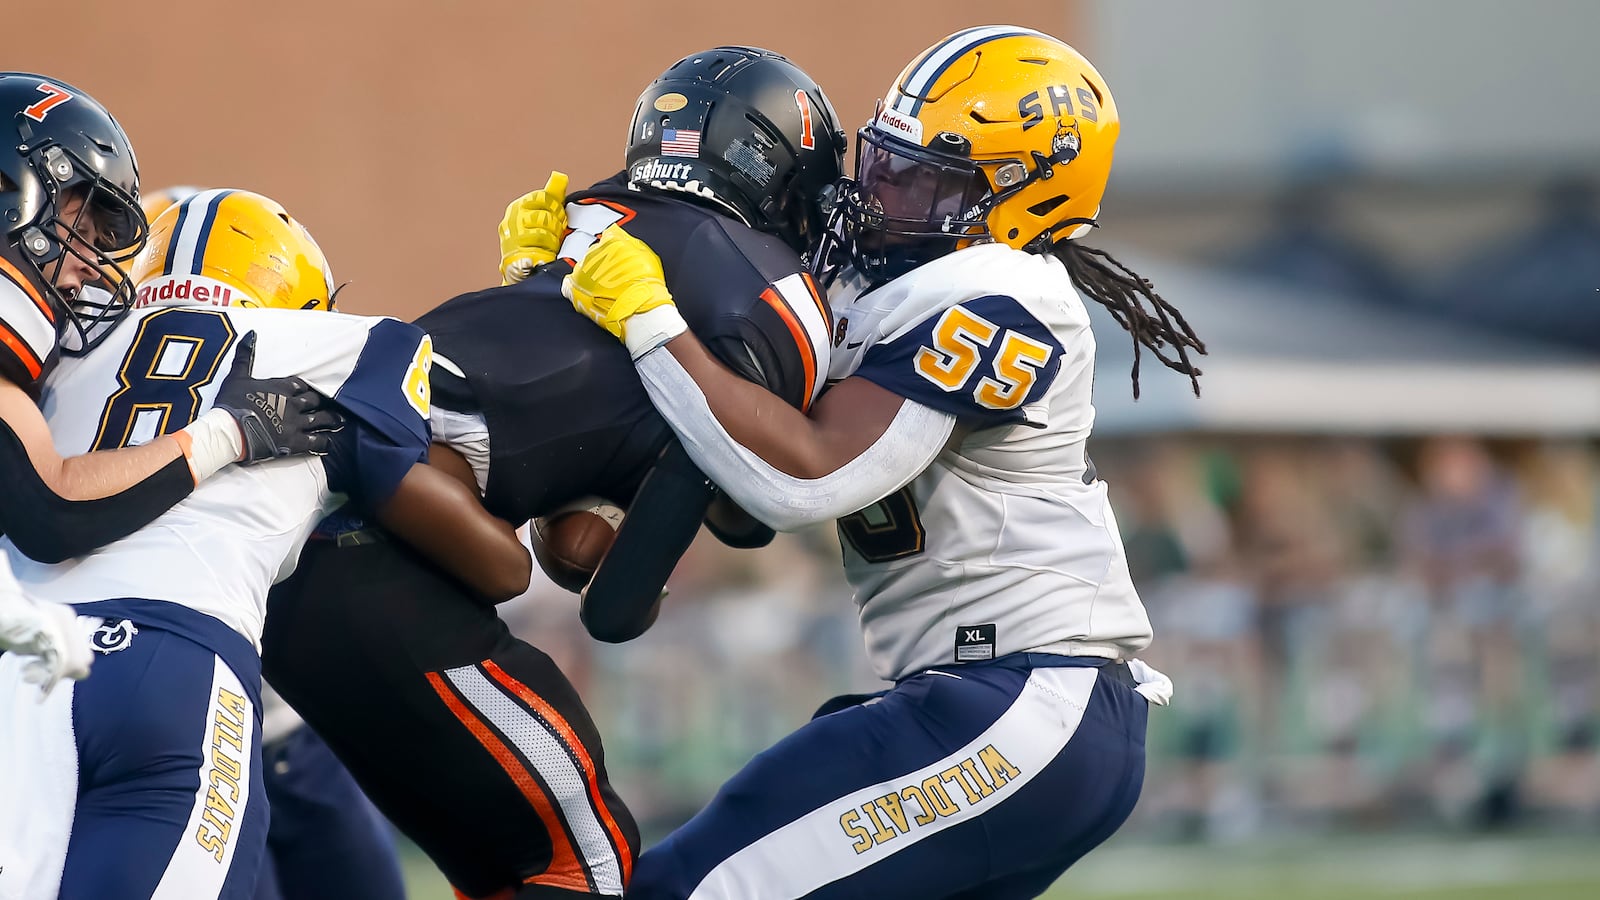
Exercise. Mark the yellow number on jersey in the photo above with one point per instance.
(1017, 367)
(416, 388)
(958, 339)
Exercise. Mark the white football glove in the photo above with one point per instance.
(57, 639)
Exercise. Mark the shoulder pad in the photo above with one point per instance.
(28, 337)
(984, 360)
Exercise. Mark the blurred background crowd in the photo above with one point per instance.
(1370, 550)
(1366, 633)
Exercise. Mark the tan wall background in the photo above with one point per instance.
(398, 132)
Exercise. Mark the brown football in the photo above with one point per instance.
(570, 543)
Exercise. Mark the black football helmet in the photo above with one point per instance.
(744, 129)
(59, 141)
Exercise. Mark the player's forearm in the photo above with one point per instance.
(441, 517)
(50, 528)
(105, 473)
(900, 439)
(760, 421)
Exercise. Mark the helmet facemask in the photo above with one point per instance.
(909, 205)
(104, 231)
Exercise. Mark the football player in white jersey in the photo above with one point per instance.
(68, 219)
(988, 569)
(326, 840)
(143, 779)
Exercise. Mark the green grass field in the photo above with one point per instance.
(1430, 867)
(1426, 868)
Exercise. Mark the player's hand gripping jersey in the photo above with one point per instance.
(219, 550)
(566, 411)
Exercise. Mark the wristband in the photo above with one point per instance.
(650, 329)
(211, 443)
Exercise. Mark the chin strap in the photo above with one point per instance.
(1080, 226)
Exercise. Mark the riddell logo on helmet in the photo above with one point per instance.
(184, 289)
(656, 170)
(900, 125)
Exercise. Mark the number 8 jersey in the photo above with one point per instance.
(222, 547)
(1007, 542)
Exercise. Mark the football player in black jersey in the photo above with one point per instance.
(470, 740)
(69, 217)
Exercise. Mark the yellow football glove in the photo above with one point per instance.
(532, 229)
(619, 278)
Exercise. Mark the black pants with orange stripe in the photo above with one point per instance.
(471, 741)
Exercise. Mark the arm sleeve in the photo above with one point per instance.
(621, 600)
(49, 528)
(911, 442)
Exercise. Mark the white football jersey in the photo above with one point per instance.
(1007, 542)
(221, 548)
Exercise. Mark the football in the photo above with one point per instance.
(570, 542)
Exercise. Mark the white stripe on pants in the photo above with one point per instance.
(568, 784)
(807, 853)
(204, 855)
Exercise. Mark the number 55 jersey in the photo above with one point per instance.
(1007, 542)
(222, 547)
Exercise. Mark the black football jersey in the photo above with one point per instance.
(566, 413)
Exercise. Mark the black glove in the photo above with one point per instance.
(278, 416)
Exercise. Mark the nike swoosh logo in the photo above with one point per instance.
(855, 345)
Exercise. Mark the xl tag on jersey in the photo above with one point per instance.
(974, 643)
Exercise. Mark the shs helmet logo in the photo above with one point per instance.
(1059, 96)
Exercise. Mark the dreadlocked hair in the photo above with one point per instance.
(1132, 300)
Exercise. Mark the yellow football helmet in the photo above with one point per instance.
(157, 202)
(243, 240)
(997, 132)
(154, 204)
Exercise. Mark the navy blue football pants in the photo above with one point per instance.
(144, 779)
(327, 842)
(983, 780)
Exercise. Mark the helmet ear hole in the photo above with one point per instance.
(1099, 96)
(1045, 207)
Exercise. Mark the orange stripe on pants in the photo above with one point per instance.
(590, 775)
(565, 871)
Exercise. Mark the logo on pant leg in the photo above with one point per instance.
(916, 804)
(227, 758)
(114, 635)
